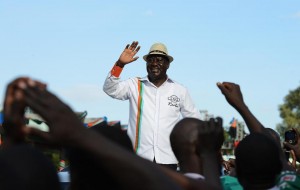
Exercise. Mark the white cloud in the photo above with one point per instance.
(91, 98)
(85, 93)
(296, 15)
(149, 13)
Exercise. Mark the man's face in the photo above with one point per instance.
(157, 66)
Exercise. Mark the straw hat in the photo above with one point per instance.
(158, 49)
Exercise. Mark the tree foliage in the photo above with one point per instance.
(290, 112)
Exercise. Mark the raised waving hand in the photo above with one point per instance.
(128, 55)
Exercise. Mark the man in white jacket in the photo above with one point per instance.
(157, 103)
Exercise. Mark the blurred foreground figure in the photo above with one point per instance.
(197, 146)
(257, 162)
(287, 178)
(127, 170)
(21, 165)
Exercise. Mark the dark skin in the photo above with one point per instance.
(157, 67)
(157, 73)
(67, 130)
(296, 147)
(230, 167)
(184, 141)
(210, 140)
(234, 97)
(128, 55)
(14, 122)
(197, 144)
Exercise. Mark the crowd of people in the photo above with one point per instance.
(166, 146)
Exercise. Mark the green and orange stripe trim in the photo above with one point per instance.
(139, 116)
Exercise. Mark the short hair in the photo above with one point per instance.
(186, 136)
(86, 172)
(25, 167)
(257, 160)
(274, 135)
(183, 136)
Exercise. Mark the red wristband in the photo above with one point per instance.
(116, 71)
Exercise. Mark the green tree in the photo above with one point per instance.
(290, 112)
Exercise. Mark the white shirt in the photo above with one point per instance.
(194, 175)
(64, 177)
(274, 188)
(153, 113)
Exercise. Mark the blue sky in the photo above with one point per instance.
(72, 45)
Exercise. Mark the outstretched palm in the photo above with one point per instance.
(128, 55)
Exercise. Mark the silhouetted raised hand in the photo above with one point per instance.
(234, 97)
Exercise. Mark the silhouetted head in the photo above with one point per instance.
(184, 138)
(274, 135)
(23, 167)
(87, 172)
(115, 134)
(257, 161)
(190, 137)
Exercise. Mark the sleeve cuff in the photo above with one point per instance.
(116, 71)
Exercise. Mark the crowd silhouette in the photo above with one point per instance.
(103, 157)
